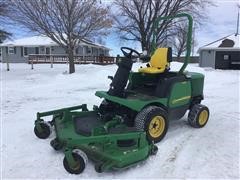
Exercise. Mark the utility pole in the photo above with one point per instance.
(237, 32)
(193, 40)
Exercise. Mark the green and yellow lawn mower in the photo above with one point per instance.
(133, 115)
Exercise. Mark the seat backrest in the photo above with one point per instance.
(161, 57)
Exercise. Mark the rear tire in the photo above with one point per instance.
(198, 116)
(153, 120)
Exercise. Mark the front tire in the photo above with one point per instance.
(56, 145)
(153, 120)
(198, 116)
(45, 131)
(79, 168)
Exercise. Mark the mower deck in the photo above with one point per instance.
(111, 144)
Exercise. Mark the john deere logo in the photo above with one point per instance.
(181, 99)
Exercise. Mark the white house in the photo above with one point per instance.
(19, 50)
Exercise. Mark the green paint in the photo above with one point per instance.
(197, 82)
(180, 94)
(135, 102)
(101, 145)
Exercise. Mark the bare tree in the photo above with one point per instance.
(3, 12)
(179, 40)
(3, 7)
(66, 22)
(4, 35)
(135, 20)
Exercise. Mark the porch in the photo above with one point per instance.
(61, 59)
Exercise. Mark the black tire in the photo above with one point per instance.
(98, 167)
(46, 131)
(80, 164)
(154, 150)
(198, 116)
(56, 144)
(144, 119)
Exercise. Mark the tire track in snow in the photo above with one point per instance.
(168, 165)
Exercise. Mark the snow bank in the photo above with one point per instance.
(210, 152)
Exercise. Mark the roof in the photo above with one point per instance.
(219, 44)
(42, 40)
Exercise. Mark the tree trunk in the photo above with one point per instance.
(179, 55)
(71, 60)
(145, 46)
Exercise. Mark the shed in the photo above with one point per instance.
(221, 54)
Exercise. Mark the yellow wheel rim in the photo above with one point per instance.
(203, 116)
(156, 126)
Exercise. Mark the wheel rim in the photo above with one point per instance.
(156, 126)
(76, 167)
(203, 116)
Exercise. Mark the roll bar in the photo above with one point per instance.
(189, 36)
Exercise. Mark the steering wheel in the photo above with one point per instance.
(130, 53)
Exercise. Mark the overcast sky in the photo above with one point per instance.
(222, 21)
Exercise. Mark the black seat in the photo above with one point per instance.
(120, 79)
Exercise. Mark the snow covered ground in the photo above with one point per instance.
(185, 152)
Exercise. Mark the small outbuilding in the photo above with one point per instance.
(221, 54)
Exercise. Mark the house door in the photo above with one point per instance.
(47, 50)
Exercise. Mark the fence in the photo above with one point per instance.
(60, 59)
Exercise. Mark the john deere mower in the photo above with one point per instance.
(133, 115)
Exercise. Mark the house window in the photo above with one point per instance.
(226, 57)
(21, 51)
(25, 51)
(11, 50)
(47, 50)
(36, 50)
(89, 50)
(42, 48)
(76, 50)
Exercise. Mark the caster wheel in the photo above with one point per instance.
(98, 167)
(56, 145)
(154, 150)
(45, 130)
(81, 160)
